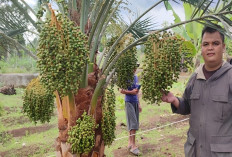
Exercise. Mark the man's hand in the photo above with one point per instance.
(134, 91)
(170, 98)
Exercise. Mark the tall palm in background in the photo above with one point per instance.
(93, 18)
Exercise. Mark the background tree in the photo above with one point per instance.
(12, 26)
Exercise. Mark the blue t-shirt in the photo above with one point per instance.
(130, 97)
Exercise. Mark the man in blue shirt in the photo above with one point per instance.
(132, 113)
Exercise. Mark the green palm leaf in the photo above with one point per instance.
(141, 27)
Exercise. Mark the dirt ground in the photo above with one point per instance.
(26, 150)
(147, 148)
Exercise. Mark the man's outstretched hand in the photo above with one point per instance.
(170, 98)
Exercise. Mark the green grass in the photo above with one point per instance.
(157, 138)
(42, 144)
(12, 100)
(1, 109)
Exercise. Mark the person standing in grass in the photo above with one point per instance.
(133, 108)
(208, 100)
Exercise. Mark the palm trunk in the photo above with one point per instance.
(66, 115)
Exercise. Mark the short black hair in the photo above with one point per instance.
(212, 30)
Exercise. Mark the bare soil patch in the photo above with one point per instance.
(10, 110)
(11, 121)
(148, 149)
(30, 130)
(26, 151)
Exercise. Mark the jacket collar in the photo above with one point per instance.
(199, 71)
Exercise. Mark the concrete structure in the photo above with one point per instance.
(18, 80)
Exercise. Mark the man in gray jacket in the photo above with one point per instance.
(208, 98)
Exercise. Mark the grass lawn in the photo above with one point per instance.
(20, 137)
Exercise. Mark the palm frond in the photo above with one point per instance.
(24, 12)
(227, 20)
(212, 24)
(206, 8)
(11, 19)
(15, 32)
(142, 27)
(198, 8)
(97, 20)
(176, 1)
(217, 5)
(84, 14)
(16, 43)
(228, 6)
(225, 24)
(99, 28)
(193, 2)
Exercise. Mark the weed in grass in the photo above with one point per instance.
(1, 109)
(27, 133)
(5, 137)
(1, 84)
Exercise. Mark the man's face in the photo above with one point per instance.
(212, 48)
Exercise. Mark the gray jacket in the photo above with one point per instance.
(210, 104)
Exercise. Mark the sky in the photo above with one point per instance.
(159, 13)
(31, 2)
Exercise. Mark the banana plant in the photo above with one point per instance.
(192, 31)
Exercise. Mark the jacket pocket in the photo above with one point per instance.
(189, 146)
(221, 146)
(221, 107)
(220, 98)
(195, 108)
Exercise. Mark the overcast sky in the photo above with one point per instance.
(159, 13)
(31, 2)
